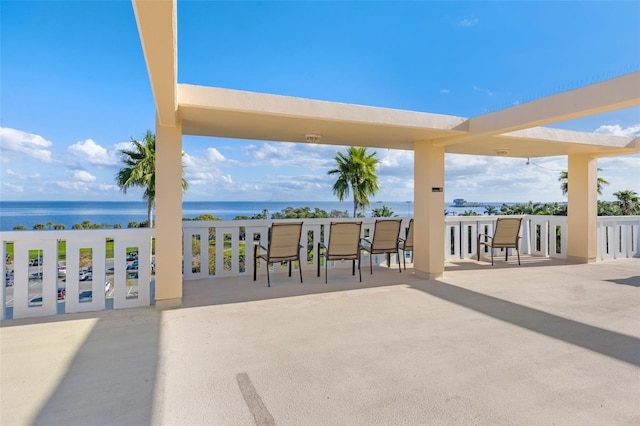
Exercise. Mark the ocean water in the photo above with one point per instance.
(68, 213)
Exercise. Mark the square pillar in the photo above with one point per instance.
(582, 208)
(168, 227)
(428, 190)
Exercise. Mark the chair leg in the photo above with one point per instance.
(326, 269)
(399, 265)
(404, 259)
(360, 266)
(506, 254)
(255, 260)
(353, 267)
(268, 281)
(491, 256)
(290, 268)
(371, 263)
(300, 268)
(318, 255)
(518, 252)
(388, 260)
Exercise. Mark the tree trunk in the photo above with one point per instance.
(150, 214)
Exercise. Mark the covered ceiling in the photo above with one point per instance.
(513, 132)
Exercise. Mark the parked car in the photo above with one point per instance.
(61, 296)
(85, 296)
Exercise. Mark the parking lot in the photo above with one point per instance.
(85, 278)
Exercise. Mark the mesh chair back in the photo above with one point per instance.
(284, 240)
(506, 233)
(344, 239)
(385, 235)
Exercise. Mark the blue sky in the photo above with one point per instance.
(74, 89)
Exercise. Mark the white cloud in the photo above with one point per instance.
(88, 151)
(468, 22)
(75, 186)
(27, 143)
(445, 91)
(108, 187)
(284, 154)
(482, 90)
(617, 130)
(122, 145)
(12, 188)
(395, 162)
(206, 170)
(21, 176)
(214, 156)
(82, 176)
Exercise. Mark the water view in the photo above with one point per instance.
(68, 213)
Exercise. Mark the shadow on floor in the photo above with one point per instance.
(610, 343)
(632, 281)
(115, 367)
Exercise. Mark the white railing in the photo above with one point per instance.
(540, 236)
(38, 283)
(618, 237)
(235, 256)
(109, 281)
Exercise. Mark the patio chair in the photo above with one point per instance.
(406, 244)
(505, 236)
(284, 246)
(385, 240)
(344, 239)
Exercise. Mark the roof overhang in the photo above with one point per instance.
(513, 132)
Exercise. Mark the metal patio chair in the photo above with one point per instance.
(344, 244)
(385, 241)
(505, 236)
(284, 246)
(406, 244)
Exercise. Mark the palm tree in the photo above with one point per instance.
(564, 182)
(140, 170)
(356, 173)
(627, 200)
(383, 211)
(490, 210)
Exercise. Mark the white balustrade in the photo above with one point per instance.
(226, 249)
(235, 255)
(35, 289)
(618, 237)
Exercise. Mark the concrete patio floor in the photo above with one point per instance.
(544, 343)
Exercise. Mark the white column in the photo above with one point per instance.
(168, 227)
(429, 210)
(582, 209)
